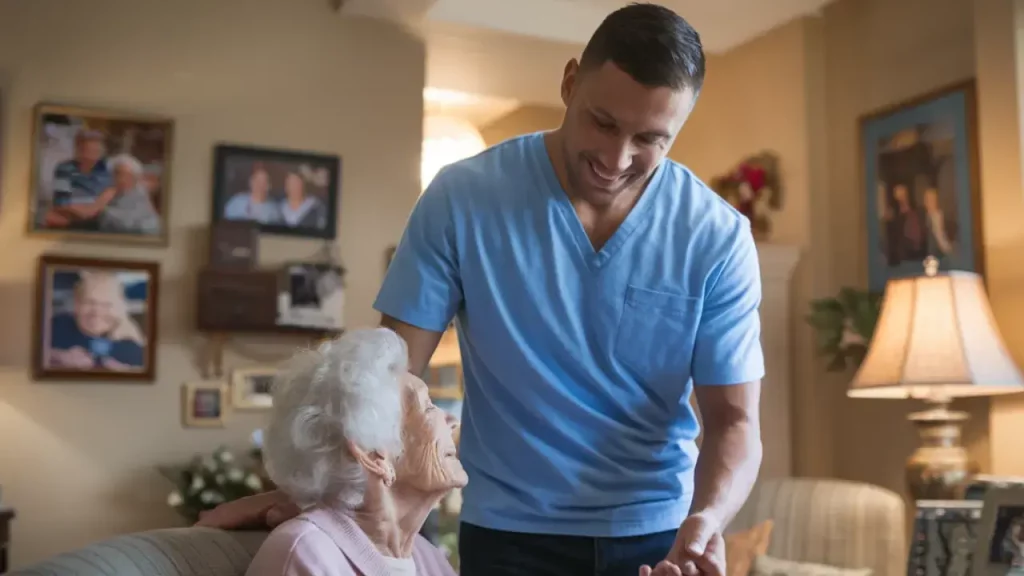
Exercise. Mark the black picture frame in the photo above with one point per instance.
(235, 167)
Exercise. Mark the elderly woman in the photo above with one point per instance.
(129, 208)
(355, 441)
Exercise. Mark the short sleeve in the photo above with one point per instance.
(422, 286)
(728, 346)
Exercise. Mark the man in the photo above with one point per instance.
(78, 182)
(593, 283)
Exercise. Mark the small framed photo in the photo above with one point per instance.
(1000, 546)
(204, 404)
(252, 388)
(312, 296)
(95, 319)
(285, 192)
(100, 175)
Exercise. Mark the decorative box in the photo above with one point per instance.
(237, 301)
(234, 245)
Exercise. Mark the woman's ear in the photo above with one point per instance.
(375, 461)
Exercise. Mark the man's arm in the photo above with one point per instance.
(730, 454)
(728, 365)
(421, 343)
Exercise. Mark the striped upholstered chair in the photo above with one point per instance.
(168, 552)
(831, 522)
(822, 521)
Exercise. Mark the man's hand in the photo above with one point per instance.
(259, 511)
(699, 549)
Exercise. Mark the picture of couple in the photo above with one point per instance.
(100, 175)
(921, 185)
(289, 193)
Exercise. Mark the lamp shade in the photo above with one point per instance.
(936, 340)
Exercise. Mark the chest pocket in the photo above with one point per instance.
(656, 334)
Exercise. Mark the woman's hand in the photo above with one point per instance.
(262, 510)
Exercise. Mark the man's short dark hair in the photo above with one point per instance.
(652, 44)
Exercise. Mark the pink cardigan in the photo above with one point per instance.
(325, 543)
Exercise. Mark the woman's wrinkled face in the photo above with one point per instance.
(124, 178)
(429, 462)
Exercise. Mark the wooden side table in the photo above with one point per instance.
(6, 515)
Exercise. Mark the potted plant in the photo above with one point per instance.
(844, 325)
(210, 480)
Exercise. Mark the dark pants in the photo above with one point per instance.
(486, 552)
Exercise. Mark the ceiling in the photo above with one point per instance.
(723, 24)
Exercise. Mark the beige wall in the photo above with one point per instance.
(800, 90)
(754, 100)
(878, 53)
(523, 120)
(999, 33)
(78, 460)
(496, 64)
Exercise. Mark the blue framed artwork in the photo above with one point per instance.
(920, 183)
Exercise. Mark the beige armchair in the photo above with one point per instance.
(831, 522)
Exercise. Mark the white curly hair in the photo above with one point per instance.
(347, 389)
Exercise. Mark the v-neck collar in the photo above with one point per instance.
(595, 259)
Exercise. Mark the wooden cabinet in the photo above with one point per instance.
(6, 516)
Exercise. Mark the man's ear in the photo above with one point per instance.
(375, 461)
(569, 77)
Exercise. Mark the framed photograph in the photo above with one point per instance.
(252, 388)
(95, 319)
(204, 404)
(1000, 545)
(921, 185)
(285, 192)
(312, 296)
(99, 175)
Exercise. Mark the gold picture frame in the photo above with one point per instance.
(251, 388)
(204, 404)
(140, 144)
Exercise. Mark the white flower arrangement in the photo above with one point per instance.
(211, 480)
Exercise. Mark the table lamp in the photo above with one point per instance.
(936, 340)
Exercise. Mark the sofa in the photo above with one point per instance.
(824, 521)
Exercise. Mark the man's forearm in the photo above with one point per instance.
(727, 467)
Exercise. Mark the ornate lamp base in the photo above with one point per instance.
(940, 468)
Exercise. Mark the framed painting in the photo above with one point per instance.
(920, 184)
(285, 192)
(100, 175)
(95, 319)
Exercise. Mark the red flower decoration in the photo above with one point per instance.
(753, 175)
